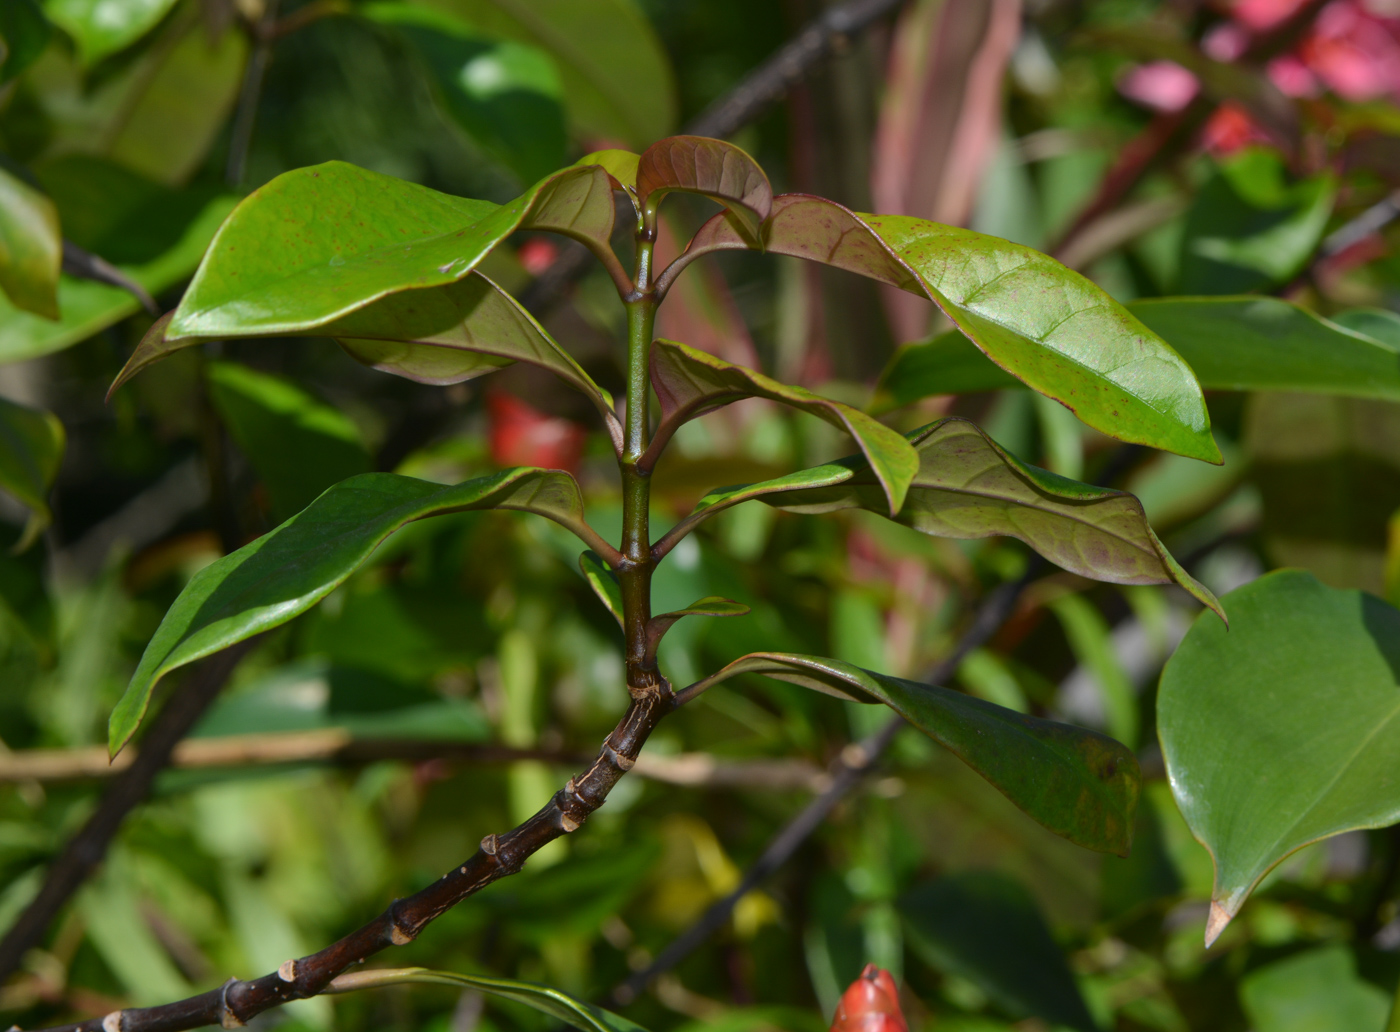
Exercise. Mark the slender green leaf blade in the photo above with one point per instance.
(31, 450)
(604, 583)
(288, 570)
(1286, 729)
(962, 924)
(689, 382)
(710, 605)
(582, 1016)
(1078, 783)
(1377, 323)
(1041, 322)
(713, 168)
(31, 247)
(319, 243)
(968, 486)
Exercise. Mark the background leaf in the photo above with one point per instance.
(1317, 990)
(31, 451)
(101, 27)
(1282, 731)
(24, 31)
(31, 247)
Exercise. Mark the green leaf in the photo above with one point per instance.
(101, 27)
(621, 165)
(712, 168)
(297, 445)
(1043, 323)
(319, 243)
(604, 583)
(968, 486)
(89, 307)
(506, 95)
(1282, 731)
(947, 364)
(1314, 991)
(617, 79)
(31, 450)
(24, 33)
(288, 570)
(1091, 642)
(689, 383)
(1078, 783)
(31, 247)
(710, 605)
(582, 1016)
(1377, 323)
(441, 335)
(963, 924)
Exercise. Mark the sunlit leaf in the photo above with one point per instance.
(1046, 325)
(1317, 990)
(288, 570)
(505, 94)
(1080, 784)
(1282, 730)
(689, 383)
(31, 450)
(558, 1005)
(621, 165)
(31, 247)
(319, 243)
(968, 486)
(102, 27)
(712, 168)
(298, 445)
(617, 79)
(963, 924)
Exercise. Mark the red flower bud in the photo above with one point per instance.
(871, 1004)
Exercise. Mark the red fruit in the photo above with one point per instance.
(537, 254)
(523, 436)
(871, 1004)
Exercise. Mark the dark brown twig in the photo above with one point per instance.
(86, 265)
(85, 850)
(246, 115)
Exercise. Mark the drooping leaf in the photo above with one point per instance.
(689, 383)
(712, 168)
(101, 27)
(1046, 325)
(710, 605)
(1078, 783)
(24, 33)
(967, 486)
(319, 243)
(31, 247)
(583, 1016)
(31, 450)
(288, 570)
(604, 583)
(298, 445)
(1283, 730)
(88, 307)
(1318, 990)
(506, 95)
(617, 79)
(964, 924)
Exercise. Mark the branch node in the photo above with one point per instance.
(489, 845)
(564, 822)
(617, 759)
(227, 1019)
(111, 1022)
(398, 936)
(287, 970)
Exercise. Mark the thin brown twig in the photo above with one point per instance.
(85, 850)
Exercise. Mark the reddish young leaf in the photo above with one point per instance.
(719, 170)
(521, 435)
(870, 1004)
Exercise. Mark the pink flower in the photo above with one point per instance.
(1160, 85)
(1354, 52)
(1262, 15)
(1226, 42)
(1292, 77)
(521, 435)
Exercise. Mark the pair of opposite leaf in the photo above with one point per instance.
(388, 269)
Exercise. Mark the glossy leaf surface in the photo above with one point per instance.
(1046, 325)
(712, 168)
(319, 243)
(583, 1016)
(710, 605)
(967, 486)
(1078, 783)
(689, 383)
(1283, 730)
(31, 450)
(287, 571)
(621, 165)
(31, 247)
(504, 94)
(101, 27)
(297, 444)
(965, 925)
(617, 78)
(604, 583)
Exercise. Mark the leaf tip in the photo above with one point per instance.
(1216, 922)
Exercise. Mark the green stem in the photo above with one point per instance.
(635, 570)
